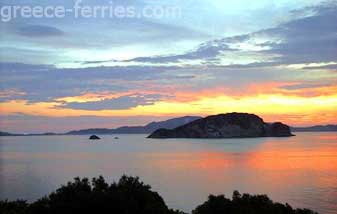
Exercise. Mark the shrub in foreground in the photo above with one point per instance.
(246, 204)
(131, 196)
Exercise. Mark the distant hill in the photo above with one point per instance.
(149, 128)
(167, 124)
(327, 128)
(6, 134)
(14, 134)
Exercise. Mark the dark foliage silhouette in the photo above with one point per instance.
(128, 196)
(131, 196)
(13, 207)
(246, 204)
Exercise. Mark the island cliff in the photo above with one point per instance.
(231, 125)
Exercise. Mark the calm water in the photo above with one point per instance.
(300, 170)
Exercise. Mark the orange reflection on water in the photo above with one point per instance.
(328, 137)
(277, 165)
(301, 160)
(264, 159)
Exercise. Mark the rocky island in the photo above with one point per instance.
(94, 137)
(231, 125)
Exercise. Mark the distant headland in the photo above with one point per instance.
(153, 126)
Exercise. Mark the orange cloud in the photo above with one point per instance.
(294, 109)
(274, 101)
(10, 93)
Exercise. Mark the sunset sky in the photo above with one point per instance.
(277, 59)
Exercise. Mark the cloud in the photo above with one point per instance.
(325, 67)
(47, 83)
(10, 93)
(306, 39)
(44, 83)
(94, 62)
(307, 86)
(39, 31)
(8, 66)
(206, 51)
(124, 102)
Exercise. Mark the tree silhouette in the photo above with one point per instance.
(245, 204)
(131, 196)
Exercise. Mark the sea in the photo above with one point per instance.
(299, 170)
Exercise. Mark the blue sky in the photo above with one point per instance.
(64, 41)
(109, 69)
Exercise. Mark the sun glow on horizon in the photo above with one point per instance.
(288, 108)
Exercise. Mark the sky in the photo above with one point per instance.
(277, 59)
